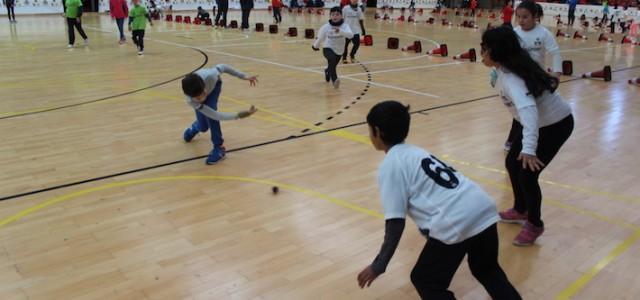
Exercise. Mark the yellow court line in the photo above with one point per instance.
(590, 192)
(577, 285)
(560, 204)
(339, 133)
(285, 186)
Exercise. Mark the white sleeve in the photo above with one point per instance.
(393, 192)
(529, 120)
(553, 49)
(216, 115)
(322, 34)
(525, 104)
(222, 68)
(346, 31)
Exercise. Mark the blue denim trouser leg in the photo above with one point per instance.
(203, 123)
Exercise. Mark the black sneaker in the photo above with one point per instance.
(326, 75)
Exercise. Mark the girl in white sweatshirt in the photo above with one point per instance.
(543, 123)
(332, 36)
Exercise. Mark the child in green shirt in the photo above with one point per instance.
(138, 23)
(73, 12)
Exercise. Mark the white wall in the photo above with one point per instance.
(55, 6)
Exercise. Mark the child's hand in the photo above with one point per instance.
(247, 113)
(366, 277)
(314, 48)
(530, 162)
(253, 80)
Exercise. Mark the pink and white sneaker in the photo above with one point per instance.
(528, 234)
(512, 216)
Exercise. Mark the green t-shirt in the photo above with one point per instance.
(138, 15)
(72, 8)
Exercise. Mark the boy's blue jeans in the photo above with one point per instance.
(203, 123)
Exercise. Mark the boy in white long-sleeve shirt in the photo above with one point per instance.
(354, 17)
(332, 36)
(202, 90)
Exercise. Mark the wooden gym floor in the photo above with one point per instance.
(103, 199)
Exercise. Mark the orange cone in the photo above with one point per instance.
(431, 21)
(400, 19)
(411, 19)
(293, 31)
(470, 55)
(309, 34)
(604, 38)
(578, 35)
(445, 22)
(273, 29)
(625, 40)
(416, 46)
(441, 50)
(560, 33)
(605, 74)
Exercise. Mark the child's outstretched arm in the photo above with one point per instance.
(223, 68)
(224, 116)
(393, 233)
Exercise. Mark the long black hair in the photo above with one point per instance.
(504, 48)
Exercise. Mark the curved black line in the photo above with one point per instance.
(206, 60)
(292, 137)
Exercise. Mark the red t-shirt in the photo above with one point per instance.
(474, 4)
(507, 14)
(276, 3)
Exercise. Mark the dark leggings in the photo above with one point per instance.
(222, 12)
(277, 15)
(138, 38)
(332, 62)
(245, 18)
(572, 16)
(526, 189)
(11, 12)
(354, 49)
(438, 262)
(120, 23)
(71, 23)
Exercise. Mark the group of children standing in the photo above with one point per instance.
(455, 214)
(119, 10)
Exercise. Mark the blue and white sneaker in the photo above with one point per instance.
(216, 155)
(189, 134)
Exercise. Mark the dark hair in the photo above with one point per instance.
(504, 48)
(540, 10)
(192, 85)
(335, 9)
(392, 119)
(531, 6)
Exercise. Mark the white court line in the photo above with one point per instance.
(405, 69)
(375, 62)
(252, 44)
(580, 49)
(299, 68)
